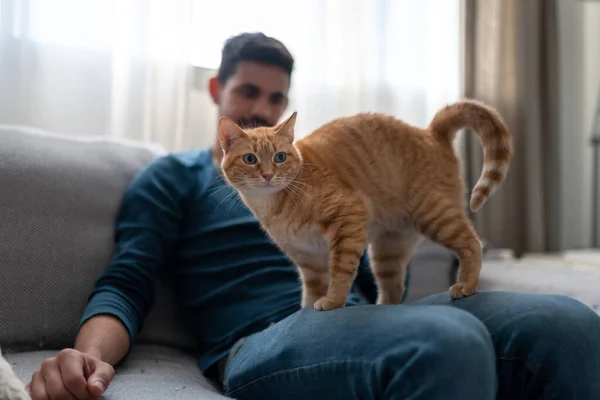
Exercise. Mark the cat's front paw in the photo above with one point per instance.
(326, 304)
(462, 289)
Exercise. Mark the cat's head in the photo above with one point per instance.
(259, 160)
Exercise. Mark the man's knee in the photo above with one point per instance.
(454, 358)
(557, 318)
(571, 311)
(557, 336)
(560, 324)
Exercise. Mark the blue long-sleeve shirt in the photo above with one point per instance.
(179, 219)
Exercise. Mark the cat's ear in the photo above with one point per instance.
(229, 131)
(286, 128)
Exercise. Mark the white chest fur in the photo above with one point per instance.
(305, 246)
(301, 241)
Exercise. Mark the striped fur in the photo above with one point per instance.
(365, 180)
(495, 139)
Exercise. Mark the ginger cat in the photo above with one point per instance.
(365, 180)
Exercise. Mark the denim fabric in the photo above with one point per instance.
(492, 345)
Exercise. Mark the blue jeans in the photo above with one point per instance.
(492, 345)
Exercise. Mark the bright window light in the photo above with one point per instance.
(215, 21)
(72, 23)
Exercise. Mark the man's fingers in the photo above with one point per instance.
(65, 377)
(102, 374)
(72, 373)
(53, 381)
(37, 388)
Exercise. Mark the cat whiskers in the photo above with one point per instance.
(293, 195)
(297, 182)
(217, 189)
(296, 198)
(229, 196)
(236, 201)
(299, 187)
(296, 191)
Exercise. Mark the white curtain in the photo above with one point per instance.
(137, 69)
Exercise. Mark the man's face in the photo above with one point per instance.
(255, 95)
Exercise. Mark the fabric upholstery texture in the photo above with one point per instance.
(59, 196)
(150, 372)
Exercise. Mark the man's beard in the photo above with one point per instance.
(253, 122)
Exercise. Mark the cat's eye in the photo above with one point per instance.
(249, 158)
(280, 157)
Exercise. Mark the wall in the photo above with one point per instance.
(579, 24)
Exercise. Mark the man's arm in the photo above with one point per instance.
(104, 337)
(147, 226)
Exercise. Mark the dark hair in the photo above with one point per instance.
(253, 47)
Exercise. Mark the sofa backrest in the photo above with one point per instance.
(59, 197)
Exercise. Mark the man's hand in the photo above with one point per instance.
(85, 373)
(71, 375)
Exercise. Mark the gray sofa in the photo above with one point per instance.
(59, 196)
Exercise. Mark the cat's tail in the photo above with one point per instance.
(495, 138)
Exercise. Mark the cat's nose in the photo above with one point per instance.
(267, 176)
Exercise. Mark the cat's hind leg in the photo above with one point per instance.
(390, 253)
(445, 222)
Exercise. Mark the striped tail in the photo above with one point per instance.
(495, 138)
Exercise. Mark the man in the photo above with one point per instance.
(241, 296)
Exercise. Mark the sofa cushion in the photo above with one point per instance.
(59, 197)
(432, 270)
(150, 372)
